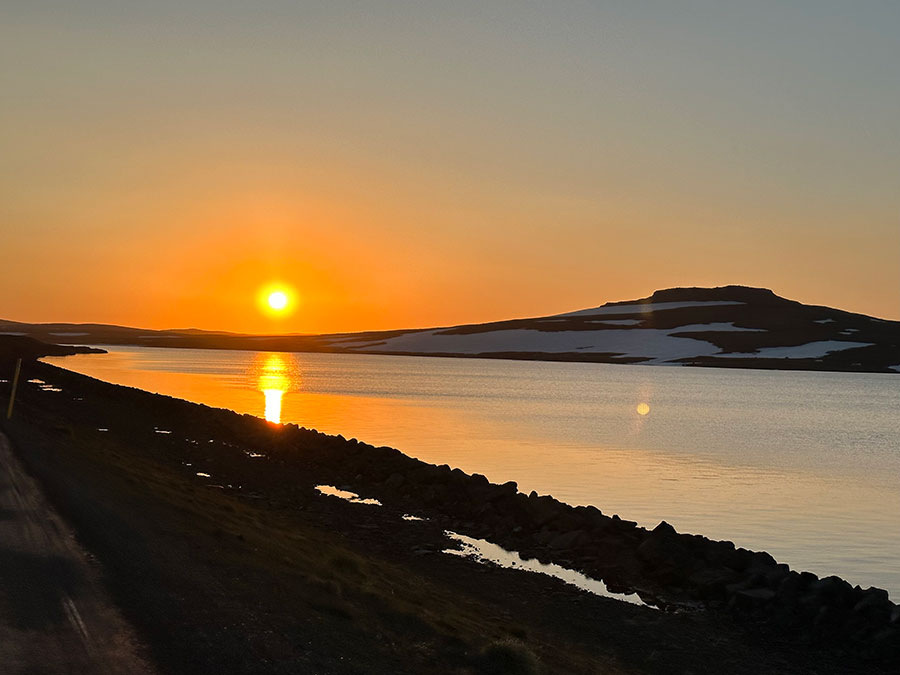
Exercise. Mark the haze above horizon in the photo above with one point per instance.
(422, 164)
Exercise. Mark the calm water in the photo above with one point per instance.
(803, 465)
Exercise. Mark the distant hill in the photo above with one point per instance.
(729, 326)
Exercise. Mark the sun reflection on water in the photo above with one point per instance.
(275, 380)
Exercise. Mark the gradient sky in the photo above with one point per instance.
(406, 164)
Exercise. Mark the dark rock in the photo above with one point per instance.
(543, 510)
(623, 525)
(752, 598)
(807, 578)
(544, 536)
(740, 560)
(662, 550)
(776, 575)
(762, 560)
(886, 643)
(711, 582)
(718, 553)
(567, 540)
(664, 528)
(874, 606)
(458, 477)
(833, 590)
(394, 481)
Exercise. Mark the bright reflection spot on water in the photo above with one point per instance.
(643, 409)
(273, 404)
(351, 497)
(274, 382)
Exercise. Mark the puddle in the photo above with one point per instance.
(254, 455)
(351, 497)
(36, 381)
(203, 475)
(484, 551)
(161, 431)
(407, 516)
(49, 387)
(102, 429)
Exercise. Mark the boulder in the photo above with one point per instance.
(664, 529)
(874, 606)
(711, 582)
(833, 590)
(543, 510)
(567, 540)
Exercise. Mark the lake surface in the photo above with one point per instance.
(803, 465)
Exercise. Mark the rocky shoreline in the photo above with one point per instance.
(666, 568)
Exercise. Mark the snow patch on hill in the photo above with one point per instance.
(655, 345)
(811, 350)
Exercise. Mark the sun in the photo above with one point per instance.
(278, 300)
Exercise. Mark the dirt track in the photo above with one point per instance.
(55, 616)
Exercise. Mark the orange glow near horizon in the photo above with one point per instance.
(277, 301)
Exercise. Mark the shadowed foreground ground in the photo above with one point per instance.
(250, 570)
(55, 615)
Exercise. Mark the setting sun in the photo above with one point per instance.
(278, 300)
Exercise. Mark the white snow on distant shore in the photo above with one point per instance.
(658, 345)
(811, 350)
(613, 322)
(655, 345)
(647, 308)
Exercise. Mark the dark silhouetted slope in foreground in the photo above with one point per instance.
(729, 326)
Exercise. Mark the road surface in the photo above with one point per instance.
(55, 615)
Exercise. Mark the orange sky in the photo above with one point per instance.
(446, 165)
